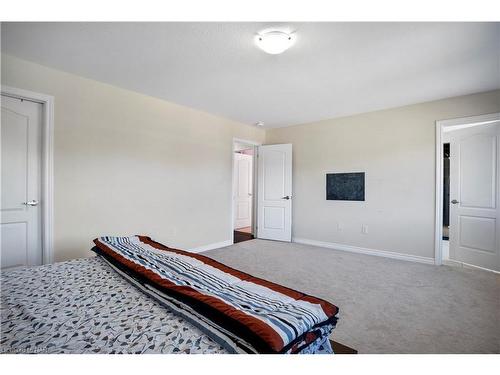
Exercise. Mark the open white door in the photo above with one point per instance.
(274, 220)
(243, 186)
(474, 196)
(20, 221)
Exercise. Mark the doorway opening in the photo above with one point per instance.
(261, 198)
(243, 223)
(467, 192)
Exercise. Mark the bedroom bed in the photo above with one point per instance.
(99, 305)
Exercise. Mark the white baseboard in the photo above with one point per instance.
(211, 246)
(456, 263)
(363, 250)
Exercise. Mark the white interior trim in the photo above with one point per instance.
(456, 263)
(445, 250)
(364, 250)
(211, 246)
(47, 182)
(254, 197)
(456, 123)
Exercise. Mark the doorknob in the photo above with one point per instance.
(287, 197)
(31, 203)
(454, 201)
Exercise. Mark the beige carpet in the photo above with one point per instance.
(386, 305)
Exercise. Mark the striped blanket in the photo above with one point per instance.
(243, 313)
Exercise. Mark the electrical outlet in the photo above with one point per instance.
(340, 228)
(364, 229)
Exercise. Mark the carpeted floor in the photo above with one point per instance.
(386, 305)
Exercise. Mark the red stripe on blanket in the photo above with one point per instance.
(329, 309)
(268, 334)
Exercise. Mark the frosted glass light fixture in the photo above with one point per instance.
(274, 42)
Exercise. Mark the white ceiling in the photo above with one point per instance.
(334, 69)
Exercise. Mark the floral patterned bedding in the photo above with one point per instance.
(84, 306)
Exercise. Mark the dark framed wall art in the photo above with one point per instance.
(345, 186)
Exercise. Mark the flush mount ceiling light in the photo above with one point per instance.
(274, 42)
(259, 123)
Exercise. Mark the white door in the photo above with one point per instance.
(20, 185)
(275, 192)
(243, 189)
(474, 196)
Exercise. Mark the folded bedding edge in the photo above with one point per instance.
(235, 271)
(208, 312)
(298, 344)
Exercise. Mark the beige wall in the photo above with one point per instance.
(396, 149)
(126, 163)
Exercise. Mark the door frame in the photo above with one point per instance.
(456, 123)
(254, 183)
(47, 165)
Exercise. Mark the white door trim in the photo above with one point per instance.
(440, 128)
(254, 166)
(47, 183)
